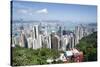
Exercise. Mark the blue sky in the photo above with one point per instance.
(50, 11)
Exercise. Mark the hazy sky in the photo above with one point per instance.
(50, 11)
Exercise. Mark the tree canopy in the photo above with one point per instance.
(25, 56)
(88, 45)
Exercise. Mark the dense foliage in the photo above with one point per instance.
(88, 45)
(25, 56)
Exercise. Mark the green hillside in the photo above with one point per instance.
(89, 47)
(25, 56)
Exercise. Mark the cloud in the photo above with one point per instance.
(42, 11)
(31, 12)
(26, 11)
(22, 11)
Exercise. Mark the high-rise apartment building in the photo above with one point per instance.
(37, 43)
(23, 40)
(71, 40)
(30, 42)
(65, 41)
(55, 41)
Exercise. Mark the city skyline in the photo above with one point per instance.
(51, 33)
(53, 11)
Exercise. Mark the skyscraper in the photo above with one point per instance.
(55, 41)
(76, 35)
(30, 42)
(80, 32)
(60, 35)
(13, 42)
(65, 41)
(23, 40)
(72, 40)
(37, 43)
(49, 41)
(46, 41)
